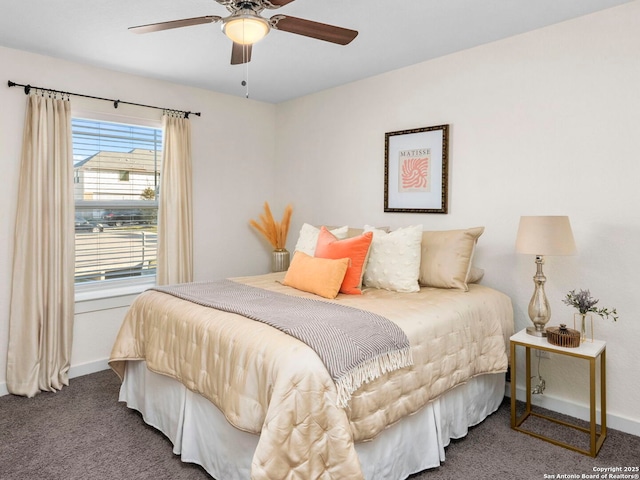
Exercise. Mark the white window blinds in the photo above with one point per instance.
(116, 181)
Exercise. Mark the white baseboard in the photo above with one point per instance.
(74, 371)
(555, 404)
(87, 368)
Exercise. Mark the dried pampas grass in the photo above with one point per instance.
(275, 232)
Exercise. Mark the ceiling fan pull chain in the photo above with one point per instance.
(245, 49)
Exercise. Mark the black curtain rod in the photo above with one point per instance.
(27, 89)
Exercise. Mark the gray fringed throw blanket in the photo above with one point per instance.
(356, 346)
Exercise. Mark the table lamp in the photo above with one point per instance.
(540, 236)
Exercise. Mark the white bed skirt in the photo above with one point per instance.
(201, 434)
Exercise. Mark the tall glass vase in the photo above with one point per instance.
(583, 322)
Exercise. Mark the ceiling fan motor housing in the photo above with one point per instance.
(245, 27)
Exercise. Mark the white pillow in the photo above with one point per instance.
(394, 259)
(475, 275)
(308, 238)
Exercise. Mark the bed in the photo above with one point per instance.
(245, 400)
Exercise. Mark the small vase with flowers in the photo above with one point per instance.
(586, 306)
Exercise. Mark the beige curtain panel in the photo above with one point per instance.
(42, 297)
(175, 218)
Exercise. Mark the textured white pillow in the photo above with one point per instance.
(394, 259)
(308, 238)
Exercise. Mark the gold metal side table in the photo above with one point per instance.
(590, 351)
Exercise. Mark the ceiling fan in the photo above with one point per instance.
(245, 26)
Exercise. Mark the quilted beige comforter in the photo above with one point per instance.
(268, 383)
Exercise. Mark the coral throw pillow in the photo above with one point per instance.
(356, 249)
(308, 238)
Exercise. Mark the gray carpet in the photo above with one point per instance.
(84, 433)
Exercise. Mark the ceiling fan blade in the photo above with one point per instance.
(240, 54)
(308, 28)
(273, 4)
(186, 22)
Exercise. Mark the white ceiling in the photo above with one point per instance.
(392, 34)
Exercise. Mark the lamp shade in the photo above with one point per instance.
(246, 29)
(545, 235)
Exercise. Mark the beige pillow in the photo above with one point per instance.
(354, 232)
(446, 257)
(321, 276)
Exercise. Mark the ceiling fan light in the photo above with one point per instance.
(245, 29)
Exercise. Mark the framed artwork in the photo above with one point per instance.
(416, 171)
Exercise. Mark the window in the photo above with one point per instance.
(116, 181)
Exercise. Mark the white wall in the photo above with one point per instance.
(544, 123)
(233, 145)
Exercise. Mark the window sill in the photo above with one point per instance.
(117, 294)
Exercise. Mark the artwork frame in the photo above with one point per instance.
(416, 170)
